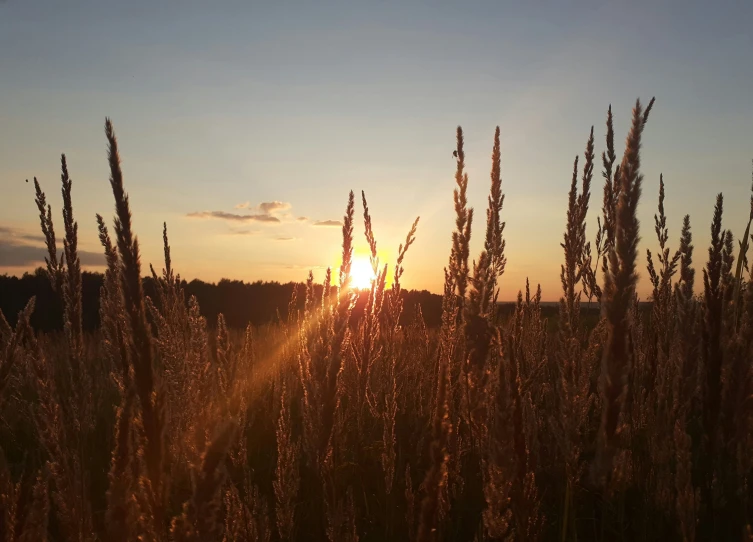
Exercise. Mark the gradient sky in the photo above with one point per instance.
(218, 105)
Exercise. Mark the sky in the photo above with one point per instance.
(244, 125)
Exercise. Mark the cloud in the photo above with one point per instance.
(302, 218)
(269, 207)
(222, 215)
(328, 223)
(244, 232)
(284, 238)
(19, 249)
(266, 207)
(267, 211)
(6, 232)
(14, 254)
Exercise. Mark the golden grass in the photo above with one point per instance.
(159, 427)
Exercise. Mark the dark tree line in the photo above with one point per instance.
(240, 302)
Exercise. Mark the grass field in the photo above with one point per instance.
(624, 421)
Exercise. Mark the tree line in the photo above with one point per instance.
(241, 303)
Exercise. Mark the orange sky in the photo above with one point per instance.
(244, 126)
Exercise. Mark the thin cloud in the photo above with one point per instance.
(302, 218)
(269, 207)
(328, 223)
(233, 217)
(6, 232)
(284, 238)
(266, 207)
(14, 254)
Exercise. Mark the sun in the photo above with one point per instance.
(361, 273)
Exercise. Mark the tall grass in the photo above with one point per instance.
(163, 426)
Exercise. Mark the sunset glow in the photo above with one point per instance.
(362, 273)
(252, 174)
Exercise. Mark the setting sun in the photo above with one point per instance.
(362, 273)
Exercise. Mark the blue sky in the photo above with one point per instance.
(221, 104)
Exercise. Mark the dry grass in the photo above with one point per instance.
(327, 427)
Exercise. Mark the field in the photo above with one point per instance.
(352, 421)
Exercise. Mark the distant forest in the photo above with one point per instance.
(241, 303)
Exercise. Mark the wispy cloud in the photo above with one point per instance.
(6, 232)
(266, 211)
(302, 218)
(266, 207)
(233, 217)
(284, 238)
(269, 207)
(19, 254)
(328, 223)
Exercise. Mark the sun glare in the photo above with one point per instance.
(362, 273)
